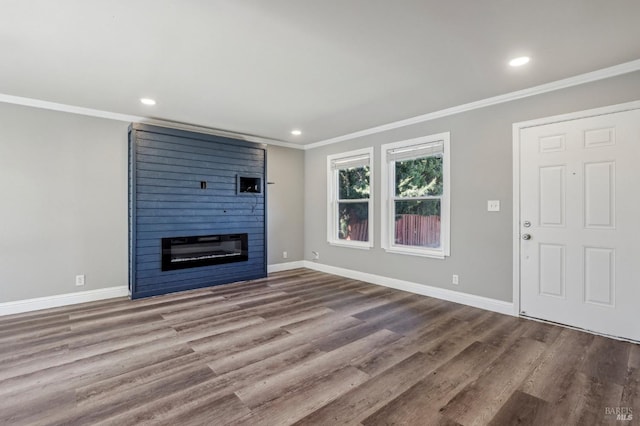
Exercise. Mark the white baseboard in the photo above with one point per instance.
(285, 266)
(485, 303)
(20, 306)
(27, 305)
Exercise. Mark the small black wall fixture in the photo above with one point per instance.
(203, 184)
(249, 184)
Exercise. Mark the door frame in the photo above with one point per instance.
(517, 128)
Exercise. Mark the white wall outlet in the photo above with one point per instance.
(285, 255)
(316, 255)
(79, 279)
(455, 279)
(493, 205)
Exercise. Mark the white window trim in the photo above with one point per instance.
(388, 188)
(332, 205)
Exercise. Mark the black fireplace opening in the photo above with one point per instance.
(191, 252)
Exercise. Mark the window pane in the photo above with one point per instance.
(419, 177)
(353, 183)
(417, 223)
(353, 221)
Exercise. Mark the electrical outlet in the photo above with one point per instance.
(455, 279)
(285, 255)
(493, 205)
(79, 279)
(316, 255)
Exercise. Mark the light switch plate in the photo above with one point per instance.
(493, 205)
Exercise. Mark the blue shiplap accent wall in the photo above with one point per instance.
(166, 167)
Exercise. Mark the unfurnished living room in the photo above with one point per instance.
(244, 212)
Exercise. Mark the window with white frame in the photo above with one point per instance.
(350, 198)
(416, 196)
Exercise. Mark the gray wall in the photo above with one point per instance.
(481, 169)
(63, 186)
(63, 202)
(63, 195)
(285, 204)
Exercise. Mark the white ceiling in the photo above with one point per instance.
(328, 67)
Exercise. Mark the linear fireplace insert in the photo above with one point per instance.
(190, 252)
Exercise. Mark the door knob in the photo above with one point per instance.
(526, 236)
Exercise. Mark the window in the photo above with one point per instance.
(415, 190)
(350, 199)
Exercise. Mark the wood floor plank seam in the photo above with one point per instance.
(308, 348)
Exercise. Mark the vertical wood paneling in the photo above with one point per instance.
(133, 184)
(166, 168)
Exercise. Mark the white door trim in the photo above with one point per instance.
(517, 127)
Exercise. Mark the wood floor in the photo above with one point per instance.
(307, 348)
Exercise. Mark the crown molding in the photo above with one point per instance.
(577, 80)
(218, 132)
(72, 109)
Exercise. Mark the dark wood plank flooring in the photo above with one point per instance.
(307, 348)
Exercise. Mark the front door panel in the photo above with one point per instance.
(580, 192)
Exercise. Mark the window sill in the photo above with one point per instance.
(416, 252)
(360, 246)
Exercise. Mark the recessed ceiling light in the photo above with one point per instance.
(296, 132)
(518, 62)
(147, 101)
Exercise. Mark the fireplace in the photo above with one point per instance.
(190, 252)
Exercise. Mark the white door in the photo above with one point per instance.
(580, 223)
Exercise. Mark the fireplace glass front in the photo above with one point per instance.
(190, 252)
